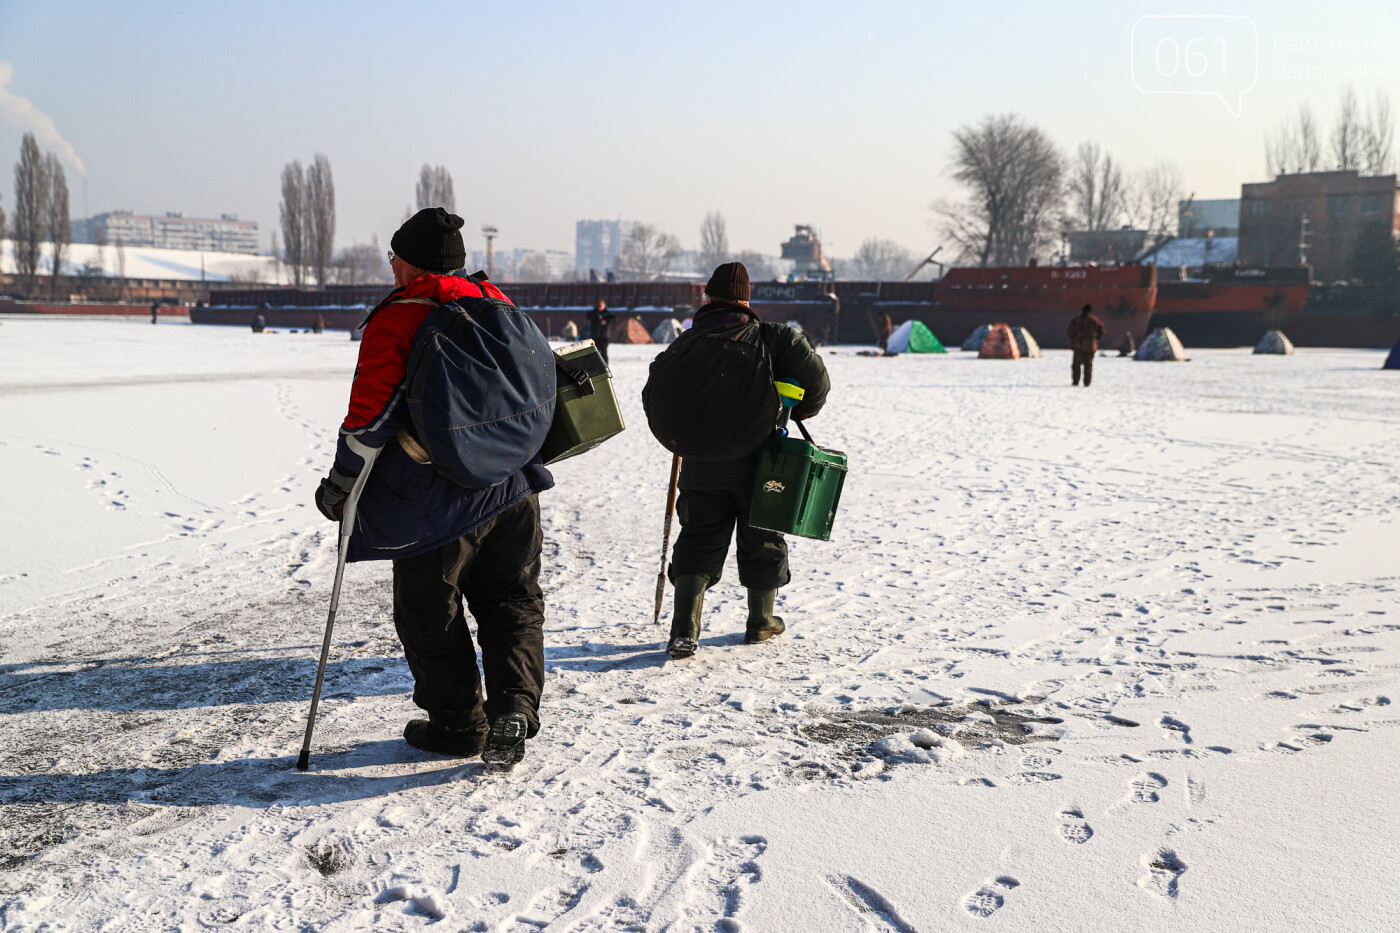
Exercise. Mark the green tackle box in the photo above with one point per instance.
(797, 488)
(586, 413)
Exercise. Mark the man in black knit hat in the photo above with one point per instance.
(715, 497)
(456, 551)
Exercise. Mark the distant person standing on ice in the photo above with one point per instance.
(715, 497)
(1085, 332)
(598, 320)
(886, 331)
(456, 550)
(155, 311)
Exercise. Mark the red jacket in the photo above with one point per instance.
(388, 341)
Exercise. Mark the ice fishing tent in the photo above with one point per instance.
(630, 330)
(570, 331)
(1161, 346)
(1025, 342)
(1275, 341)
(667, 331)
(1393, 361)
(913, 337)
(975, 340)
(999, 345)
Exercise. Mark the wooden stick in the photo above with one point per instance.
(666, 537)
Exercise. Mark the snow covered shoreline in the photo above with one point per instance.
(1109, 659)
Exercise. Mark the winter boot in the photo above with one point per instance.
(762, 624)
(442, 738)
(505, 743)
(685, 617)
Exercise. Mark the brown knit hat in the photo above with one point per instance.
(731, 280)
(431, 240)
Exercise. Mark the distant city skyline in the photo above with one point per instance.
(824, 113)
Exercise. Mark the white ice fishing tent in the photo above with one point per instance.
(667, 331)
(1162, 345)
(1276, 342)
(977, 338)
(1025, 342)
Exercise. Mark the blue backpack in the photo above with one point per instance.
(480, 387)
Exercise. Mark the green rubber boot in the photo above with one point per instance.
(685, 617)
(762, 624)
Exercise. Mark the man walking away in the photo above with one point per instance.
(715, 497)
(598, 320)
(455, 550)
(155, 311)
(1085, 332)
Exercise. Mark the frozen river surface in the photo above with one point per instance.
(1117, 659)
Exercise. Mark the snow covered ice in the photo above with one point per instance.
(1115, 659)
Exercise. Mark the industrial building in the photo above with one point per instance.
(1318, 219)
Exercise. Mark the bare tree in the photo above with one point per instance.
(434, 188)
(1295, 146)
(57, 221)
(533, 268)
(320, 213)
(879, 260)
(1347, 133)
(1096, 189)
(760, 266)
(293, 216)
(1014, 176)
(121, 269)
(1378, 137)
(31, 211)
(1152, 199)
(714, 242)
(359, 264)
(646, 253)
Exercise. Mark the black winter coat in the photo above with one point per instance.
(793, 358)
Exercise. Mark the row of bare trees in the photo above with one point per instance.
(41, 215)
(1022, 193)
(308, 220)
(1360, 140)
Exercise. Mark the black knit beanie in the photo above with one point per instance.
(431, 240)
(1086, 309)
(731, 280)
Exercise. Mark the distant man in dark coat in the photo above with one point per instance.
(886, 330)
(598, 320)
(715, 497)
(155, 311)
(1085, 332)
(457, 552)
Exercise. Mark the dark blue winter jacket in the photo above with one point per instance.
(407, 507)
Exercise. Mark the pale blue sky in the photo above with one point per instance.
(837, 114)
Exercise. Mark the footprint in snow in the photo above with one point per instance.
(1075, 830)
(870, 904)
(1145, 787)
(989, 898)
(1173, 725)
(1164, 871)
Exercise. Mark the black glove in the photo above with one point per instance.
(330, 496)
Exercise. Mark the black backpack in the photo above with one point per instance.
(710, 396)
(480, 387)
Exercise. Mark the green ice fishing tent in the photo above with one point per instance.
(914, 337)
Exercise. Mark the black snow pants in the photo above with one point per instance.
(493, 573)
(1083, 359)
(708, 519)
